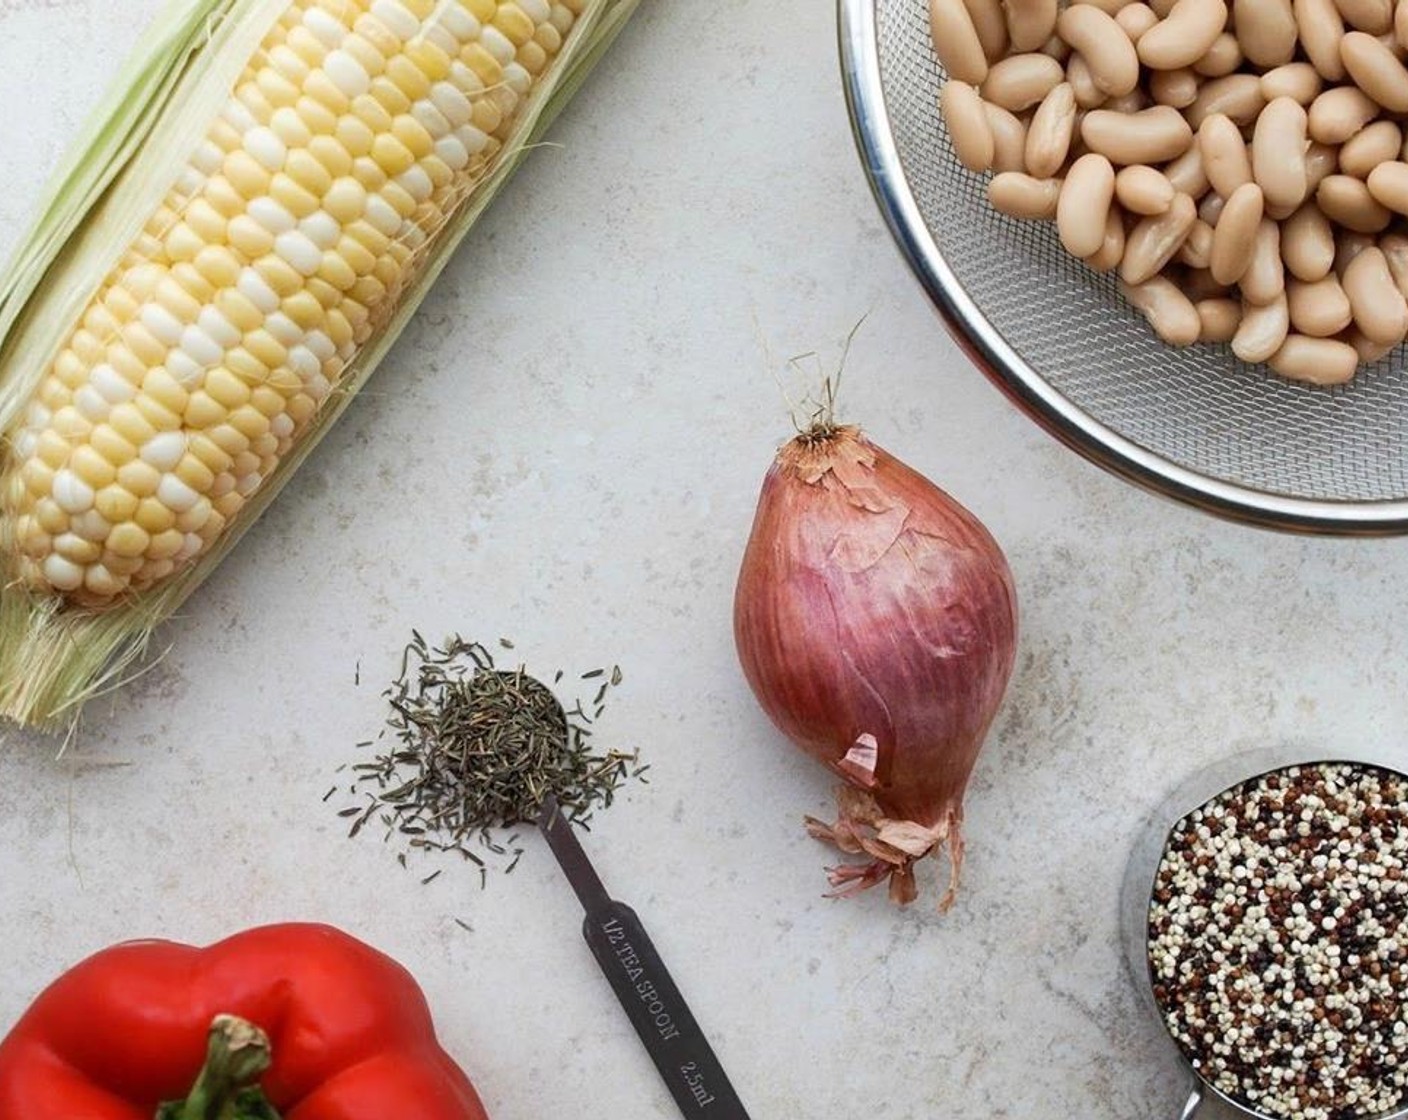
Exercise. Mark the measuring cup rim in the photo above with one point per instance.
(1195, 791)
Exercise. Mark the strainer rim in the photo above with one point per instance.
(1013, 375)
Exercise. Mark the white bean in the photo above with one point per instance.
(1308, 244)
(1111, 250)
(1178, 88)
(1316, 361)
(967, 122)
(990, 23)
(1153, 241)
(1237, 95)
(1266, 30)
(1318, 308)
(1224, 152)
(1030, 23)
(1265, 278)
(1337, 114)
(1388, 183)
(1009, 137)
(1235, 234)
(1101, 41)
(1184, 36)
(1219, 319)
(1375, 70)
(1379, 309)
(1084, 204)
(1262, 331)
(1144, 190)
(1297, 80)
(1049, 134)
(1377, 143)
(1278, 154)
(1373, 16)
(956, 41)
(1347, 202)
(1149, 136)
(1020, 81)
(1222, 58)
(1168, 310)
(1019, 195)
(1321, 30)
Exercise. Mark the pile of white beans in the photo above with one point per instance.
(1243, 167)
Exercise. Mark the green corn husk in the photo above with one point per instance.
(55, 656)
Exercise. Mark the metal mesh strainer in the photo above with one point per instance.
(1192, 424)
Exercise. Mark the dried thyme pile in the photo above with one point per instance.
(477, 749)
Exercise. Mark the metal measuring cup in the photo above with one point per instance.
(1206, 1101)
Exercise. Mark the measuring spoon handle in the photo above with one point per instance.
(629, 961)
(1195, 1103)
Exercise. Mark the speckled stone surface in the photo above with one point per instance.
(565, 449)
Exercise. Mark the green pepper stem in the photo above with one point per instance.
(227, 1087)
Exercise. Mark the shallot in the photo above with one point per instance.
(876, 622)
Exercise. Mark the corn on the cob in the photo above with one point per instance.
(221, 335)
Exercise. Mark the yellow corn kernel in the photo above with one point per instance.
(128, 421)
(88, 346)
(72, 425)
(328, 151)
(294, 198)
(485, 66)
(516, 26)
(371, 59)
(246, 175)
(139, 478)
(266, 348)
(182, 243)
(53, 450)
(210, 453)
(106, 441)
(249, 421)
(307, 46)
(268, 401)
(157, 414)
(533, 58)
(337, 272)
(228, 439)
(48, 516)
(128, 540)
(218, 266)
(161, 387)
(277, 89)
(250, 238)
(430, 58)
(322, 89)
(91, 467)
(389, 96)
(305, 170)
(116, 504)
(279, 275)
(305, 310)
(225, 388)
(143, 344)
(409, 78)
(194, 473)
(253, 99)
(166, 543)
(290, 127)
(203, 412)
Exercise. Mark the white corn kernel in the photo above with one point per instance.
(397, 19)
(440, 36)
(321, 345)
(92, 404)
(115, 388)
(265, 146)
(214, 323)
(185, 369)
(498, 44)
(452, 104)
(282, 425)
(272, 215)
(425, 114)
(62, 573)
(200, 346)
(416, 183)
(256, 289)
(175, 495)
(163, 325)
(208, 158)
(322, 229)
(454, 154)
(383, 216)
(539, 11)
(347, 74)
(72, 494)
(460, 23)
(304, 362)
(517, 78)
(299, 251)
(474, 140)
(284, 329)
(238, 117)
(248, 484)
(164, 450)
(329, 30)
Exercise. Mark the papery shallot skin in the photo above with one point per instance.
(871, 603)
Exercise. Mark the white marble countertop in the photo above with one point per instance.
(565, 449)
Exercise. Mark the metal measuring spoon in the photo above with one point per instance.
(1205, 1100)
(633, 967)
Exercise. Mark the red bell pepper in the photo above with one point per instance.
(125, 1033)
